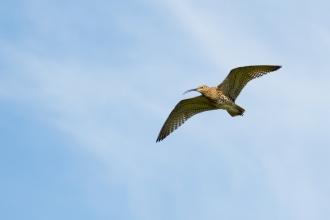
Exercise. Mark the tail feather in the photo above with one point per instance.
(237, 110)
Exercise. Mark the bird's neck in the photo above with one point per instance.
(212, 93)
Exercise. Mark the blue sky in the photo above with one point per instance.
(85, 87)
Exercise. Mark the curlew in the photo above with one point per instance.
(222, 96)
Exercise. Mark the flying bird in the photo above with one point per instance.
(222, 96)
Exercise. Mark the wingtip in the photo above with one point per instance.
(277, 67)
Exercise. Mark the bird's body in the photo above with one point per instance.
(220, 100)
(222, 96)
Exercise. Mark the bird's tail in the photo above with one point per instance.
(237, 110)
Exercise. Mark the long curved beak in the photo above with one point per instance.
(190, 90)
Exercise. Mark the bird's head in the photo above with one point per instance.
(200, 89)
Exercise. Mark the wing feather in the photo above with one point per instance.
(239, 77)
(184, 110)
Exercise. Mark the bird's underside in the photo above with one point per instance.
(222, 96)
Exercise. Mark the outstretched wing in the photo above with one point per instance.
(182, 112)
(239, 77)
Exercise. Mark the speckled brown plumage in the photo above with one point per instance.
(222, 96)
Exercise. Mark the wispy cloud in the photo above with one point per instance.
(213, 165)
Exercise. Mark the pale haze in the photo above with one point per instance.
(85, 87)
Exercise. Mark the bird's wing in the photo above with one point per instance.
(182, 112)
(239, 77)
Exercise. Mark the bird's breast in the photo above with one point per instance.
(223, 100)
(217, 97)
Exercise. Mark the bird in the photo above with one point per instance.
(222, 96)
